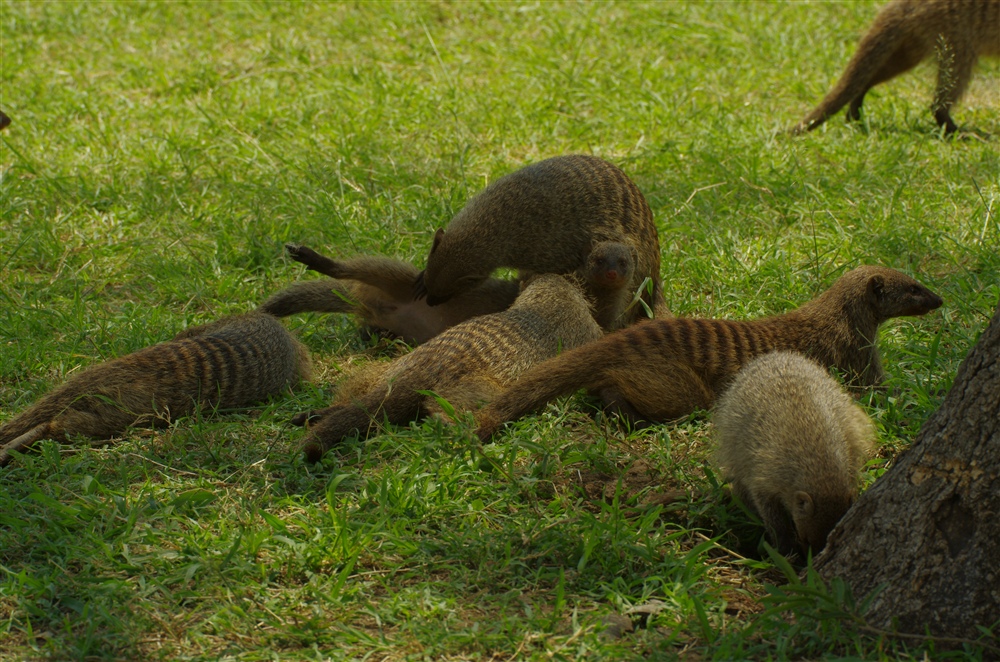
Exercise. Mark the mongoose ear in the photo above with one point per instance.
(438, 236)
(876, 286)
(803, 504)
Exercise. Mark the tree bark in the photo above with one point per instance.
(929, 528)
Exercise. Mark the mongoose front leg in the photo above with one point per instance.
(955, 63)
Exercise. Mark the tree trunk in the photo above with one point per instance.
(929, 528)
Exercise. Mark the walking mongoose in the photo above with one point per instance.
(792, 444)
(380, 291)
(547, 218)
(466, 365)
(233, 362)
(663, 369)
(906, 32)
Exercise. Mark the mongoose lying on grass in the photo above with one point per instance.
(233, 362)
(466, 365)
(792, 443)
(379, 290)
(906, 32)
(663, 369)
(547, 218)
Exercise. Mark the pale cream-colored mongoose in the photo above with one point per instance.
(663, 369)
(906, 32)
(234, 362)
(466, 365)
(547, 218)
(380, 291)
(792, 443)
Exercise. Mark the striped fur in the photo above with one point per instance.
(905, 33)
(231, 363)
(547, 218)
(467, 365)
(663, 369)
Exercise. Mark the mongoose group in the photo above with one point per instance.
(586, 311)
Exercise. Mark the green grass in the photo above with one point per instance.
(162, 153)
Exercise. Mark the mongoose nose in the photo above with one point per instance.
(611, 274)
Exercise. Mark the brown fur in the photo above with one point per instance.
(466, 365)
(905, 33)
(792, 443)
(547, 218)
(4, 121)
(663, 369)
(379, 290)
(234, 362)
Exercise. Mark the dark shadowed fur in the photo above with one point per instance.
(906, 32)
(234, 362)
(379, 290)
(467, 364)
(792, 443)
(662, 369)
(547, 218)
(4, 121)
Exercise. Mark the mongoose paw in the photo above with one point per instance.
(305, 418)
(313, 451)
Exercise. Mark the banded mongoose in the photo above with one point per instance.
(546, 218)
(906, 32)
(792, 443)
(233, 362)
(379, 290)
(663, 369)
(466, 365)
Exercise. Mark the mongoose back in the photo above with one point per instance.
(380, 291)
(663, 369)
(904, 33)
(233, 362)
(792, 442)
(546, 218)
(466, 365)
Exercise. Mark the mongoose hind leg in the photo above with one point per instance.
(955, 63)
(649, 395)
(902, 60)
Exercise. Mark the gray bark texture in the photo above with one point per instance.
(929, 528)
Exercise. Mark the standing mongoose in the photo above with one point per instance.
(380, 291)
(547, 218)
(904, 33)
(233, 362)
(792, 443)
(466, 365)
(663, 369)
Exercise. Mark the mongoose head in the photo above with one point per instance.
(447, 275)
(815, 515)
(610, 266)
(886, 293)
